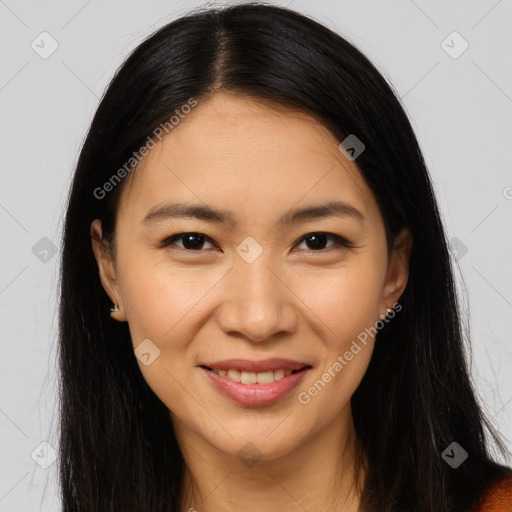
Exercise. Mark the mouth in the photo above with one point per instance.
(251, 377)
(255, 389)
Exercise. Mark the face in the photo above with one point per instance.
(256, 279)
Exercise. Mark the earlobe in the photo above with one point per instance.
(398, 269)
(106, 270)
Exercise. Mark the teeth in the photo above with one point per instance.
(234, 375)
(252, 377)
(278, 374)
(248, 377)
(264, 377)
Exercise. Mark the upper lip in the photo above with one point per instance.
(265, 365)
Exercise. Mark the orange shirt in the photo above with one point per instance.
(498, 496)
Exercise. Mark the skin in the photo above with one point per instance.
(259, 161)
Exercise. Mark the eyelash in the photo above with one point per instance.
(342, 242)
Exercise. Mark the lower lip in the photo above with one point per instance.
(256, 394)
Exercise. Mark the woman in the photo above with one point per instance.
(252, 206)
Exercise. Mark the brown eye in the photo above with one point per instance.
(317, 241)
(190, 241)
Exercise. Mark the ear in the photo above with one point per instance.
(398, 270)
(106, 269)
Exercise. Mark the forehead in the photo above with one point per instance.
(248, 155)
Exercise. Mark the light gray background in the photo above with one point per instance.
(460, 108)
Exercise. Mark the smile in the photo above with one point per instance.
(253, 377)
(254, 388)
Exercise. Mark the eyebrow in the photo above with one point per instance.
(207, 213)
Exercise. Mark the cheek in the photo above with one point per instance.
(161, 306)
(161, 299)
(345, 300)
(166, 305)
(153, 306)
(344, 305)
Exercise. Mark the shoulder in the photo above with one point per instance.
(498, 496)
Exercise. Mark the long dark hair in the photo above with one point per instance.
(118, 450)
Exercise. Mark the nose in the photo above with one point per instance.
(258, 303)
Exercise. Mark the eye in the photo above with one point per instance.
(318, 241)
(190, 241)
(195, 241)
